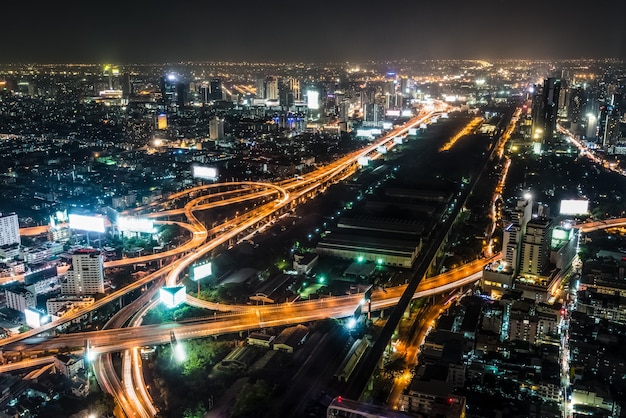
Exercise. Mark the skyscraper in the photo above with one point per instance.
(609, 123)
(535, 248)
(545, 108)
(216, 89)
(9, 229)
(86, 276)
(271, 88)
(181, 94)
(216, 128)
(515, 230)
(294, 87)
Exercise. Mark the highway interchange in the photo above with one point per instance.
(125, 333)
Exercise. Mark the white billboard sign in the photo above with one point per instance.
(201, 271)
(172, 296)
(313, 99)
(86, 223)
(34, 318)
(134, 224)
(363, 161)
(574, 207)
(201, 172)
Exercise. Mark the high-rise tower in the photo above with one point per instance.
(545, 108)
(9, 229)
(86, 276)
(535, 248)
(216, 89)
(515, 230)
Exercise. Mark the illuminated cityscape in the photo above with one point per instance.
(336, 227)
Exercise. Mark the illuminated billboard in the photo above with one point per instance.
(363, 161)
(364, 133)
(368, 133)
(34, 318)
(397, 140)
(574, 207)
(135, 224)
(201, 172)
(201, 271)
(412, 131)
(381, 149)
(313, 99)
(392, 112)
(561, 234)
(86, 223)
(172, 296)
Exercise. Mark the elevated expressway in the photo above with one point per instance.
(289, 193)
(243, 316)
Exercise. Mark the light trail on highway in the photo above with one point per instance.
(249, 318)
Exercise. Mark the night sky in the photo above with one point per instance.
(156, 31)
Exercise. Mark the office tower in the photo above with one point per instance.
(216, 128)
(181, 94)
(9, 229)
(294, 87)
(216, 89)
(127, 87)
(535, 248)
(167, 85)
(609, 123)
(344, 109)
(19, 298)
(373, 114)
(544, 113)
(111, 72)
(260, 88)
(86, 275)
(161, 121)
(271, 88)
(575, 109)
(515, 230)
(564, 95)
(205, 93)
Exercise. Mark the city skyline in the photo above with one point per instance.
(159, 31)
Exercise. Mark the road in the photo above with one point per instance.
(290, 192)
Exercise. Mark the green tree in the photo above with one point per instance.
(251, 400)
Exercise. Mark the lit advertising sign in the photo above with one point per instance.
(133, 224)
(313, 99)
(364, 133)
(407, 113)
(412, 131)
(86, 223)
(61, 215)
(172, 296)
(363, 161)
(392, 112)
(382, 149)
(34, 318)
(387, 125)
(201, 172)
(397, 140)
(201, 271)
(561, 234)
(574, 207)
